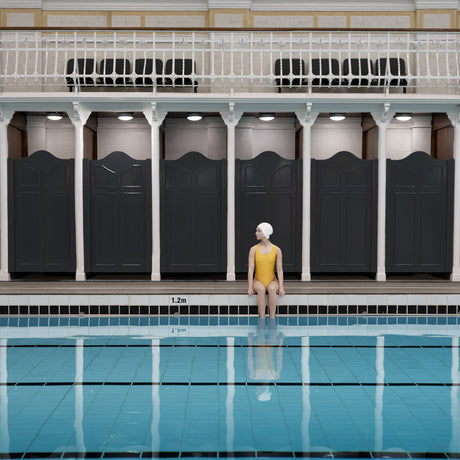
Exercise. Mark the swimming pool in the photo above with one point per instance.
(334, 387)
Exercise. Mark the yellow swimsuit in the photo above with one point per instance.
(265, 265)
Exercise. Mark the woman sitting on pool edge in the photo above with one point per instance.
(263, 257)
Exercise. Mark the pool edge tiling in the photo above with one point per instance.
(231, 304)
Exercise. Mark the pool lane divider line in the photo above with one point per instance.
(279, 384)
(238, 454)
(404, 347)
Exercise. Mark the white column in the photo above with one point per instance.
(4, 431)
(5, 118)
(230, 422)
(455, 120)
(155, 428)
(382, 119)
(306, 119)
(379, 389)
(79, 117)
(231, 119)
(155, 118)
(79, 372)
(306, 403)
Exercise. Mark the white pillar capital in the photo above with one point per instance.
(231, 115)
(155, 115)
(383, 117)
(307, 116)
(454, 116)
(6, 114)
(79, 114)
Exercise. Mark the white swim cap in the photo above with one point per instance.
(266, 229)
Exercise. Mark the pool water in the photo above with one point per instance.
(230, 388)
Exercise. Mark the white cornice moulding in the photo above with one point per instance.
(437, 5)
(254, 5)
(334, 5)
(36, 4)
(122, 5)
(230, 4)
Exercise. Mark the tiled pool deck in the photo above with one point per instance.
(430, 296)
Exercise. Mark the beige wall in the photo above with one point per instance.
(233, 18)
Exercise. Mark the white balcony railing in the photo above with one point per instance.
(227, 61)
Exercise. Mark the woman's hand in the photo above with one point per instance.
(281, 291)
(250, 291)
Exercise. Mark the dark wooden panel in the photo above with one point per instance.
(419, 214)
(118, 215)
(269, 189)
(41, 207)
(343, 214)
(194, 215)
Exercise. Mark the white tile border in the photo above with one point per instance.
(230, 299)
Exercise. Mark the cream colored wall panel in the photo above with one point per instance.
(283, 21)
(380, 22)
(76, 20)
(126, 21)
(436, 20)
(329, 137)
(229, 20)
(332, 21)
(132, 137)
(175, 21)
(20, 19)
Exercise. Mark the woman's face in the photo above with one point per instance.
(259, 234)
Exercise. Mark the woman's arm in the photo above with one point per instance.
(279, 270)
(251, 265)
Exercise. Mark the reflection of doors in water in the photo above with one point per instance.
(269, 189)
(118, 215)
(41, 221)
(419, 214)
(194, 215)
(344, 214)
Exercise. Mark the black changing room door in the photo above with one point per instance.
(343, 214)
(41, 221)
(419, 216)
(269, 189)
(194, 215)
(118, 215)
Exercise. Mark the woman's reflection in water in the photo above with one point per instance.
(265, 356)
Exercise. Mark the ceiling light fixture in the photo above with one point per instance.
(54, 116)
(404, 117)
(194, 116)
(125, 116)
(337, 116)
(267, 116)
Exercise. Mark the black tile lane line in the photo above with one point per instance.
(250, 383)
(447, 346)
(238, 454)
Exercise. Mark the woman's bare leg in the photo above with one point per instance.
(260, 290)
(272, 289)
